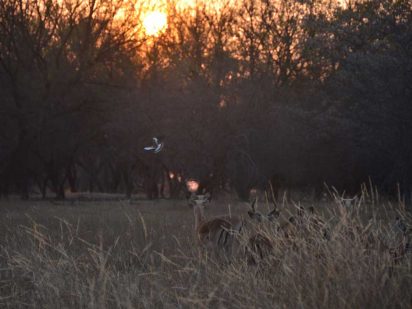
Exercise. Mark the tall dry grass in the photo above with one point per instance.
(118, 255)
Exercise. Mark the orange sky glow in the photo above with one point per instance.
(155, 14)
(154, 18)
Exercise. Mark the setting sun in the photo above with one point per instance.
(154, 22)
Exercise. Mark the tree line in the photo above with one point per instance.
(296, 93)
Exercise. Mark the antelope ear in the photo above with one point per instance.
(253, 205)
(301, 211)
(251, 213)
(273, 214)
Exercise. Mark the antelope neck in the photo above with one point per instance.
(199, 215)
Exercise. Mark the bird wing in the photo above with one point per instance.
(158, 148)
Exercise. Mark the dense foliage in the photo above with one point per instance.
(296, 92)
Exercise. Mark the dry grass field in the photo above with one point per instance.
(142, 254)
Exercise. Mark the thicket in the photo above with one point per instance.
(296, 92)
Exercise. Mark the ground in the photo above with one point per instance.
(142, 254)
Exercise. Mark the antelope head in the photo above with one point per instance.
(349, 202)
(259, 217)
(199, 200)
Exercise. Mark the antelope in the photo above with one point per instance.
(404, 245)
(216, 233)
(259, 245)
(259, 217)
(348, 203)
(311, 222)
(287, 228)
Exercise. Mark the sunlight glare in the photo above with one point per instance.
(192, 185)
(155, 22)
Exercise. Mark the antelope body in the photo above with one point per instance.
(259, 245)
(303, 224)
(216, 233)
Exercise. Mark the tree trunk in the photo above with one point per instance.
(162, 185)
(91, 185)
(128, 183)
(60, 194)
(57, 182)
(4, 186)
(24, 188)
(43, 188)
(71, 175)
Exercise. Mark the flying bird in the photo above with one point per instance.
(156, 147)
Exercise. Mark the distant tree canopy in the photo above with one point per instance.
(298, 93)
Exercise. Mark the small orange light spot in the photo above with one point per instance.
(192, 185)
